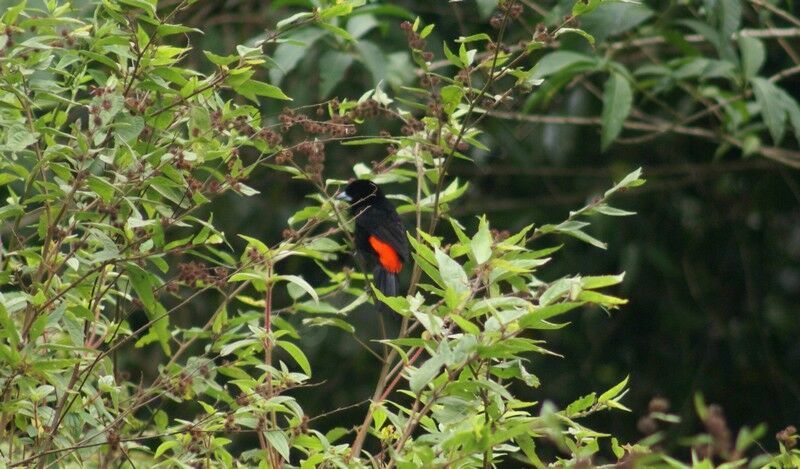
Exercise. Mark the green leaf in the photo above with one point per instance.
(289, 54)
(12, 13)
(128, 127)
(251, 89)
(296, 354)
(618, 451)
(601, 299)
(300, 282)
(398, 304)
(581, 404)
(165, 29)
(231, 347)
(467, 56)
(614, 18)
(451, 97)
(220, 60)
(600, 281)
(451, 57)
(543, 313)
(5, 178)
(577, 31)
(278, 441)
(614, 391)
(102, 188)
(342, 33)
(452, 273)
(583, 7)
(8, 329)
(374, 59)
(753, 55)
(612, 211)
(422, 376)
(256, 243)
(142, 284)
(481, 243)
(793, 110)
(294, 18)
(163, 447)
(360, 25)
(632, 179)
(558, 61)
(333, 65)
(559, 289)
(527, 445)
(145, 5)
(475, 37)
(617, 102)
(768, 96)
(161, 419)
(19, 138)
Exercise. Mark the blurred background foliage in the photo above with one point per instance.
(713, 257)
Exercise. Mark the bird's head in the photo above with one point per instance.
(361, 192)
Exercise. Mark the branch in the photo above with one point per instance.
(781, 155)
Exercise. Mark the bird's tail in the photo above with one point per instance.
(387, 282)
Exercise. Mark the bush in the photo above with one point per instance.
(112, 155)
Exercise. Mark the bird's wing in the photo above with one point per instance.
(388, 228)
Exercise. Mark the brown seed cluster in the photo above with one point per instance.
(541, 33)
(234, 157)
(242, 125)
(272, 138)
(193, 272)
(648, 424)
(463, 75)
(254, 256)
(138, 103)
(366, 108)
(112, 438)
(435, 109)
(412, 126)
(429, 81)
(193, 185)
(415, 41)
(107, 209)
(508, 9)
(9, 32)
(218, 123)
(721, 438)
(337, 126)
(315, 151)
(261, 425)
(230, 423)
(284, 156)
(500, 235)
(493, 46)
(459, 145)
(180, 159)
(513, 8)
(788, 437)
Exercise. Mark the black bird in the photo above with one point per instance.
(380, 234)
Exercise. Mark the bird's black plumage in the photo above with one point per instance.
(379, 233)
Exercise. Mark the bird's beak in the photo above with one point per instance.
(343, 196)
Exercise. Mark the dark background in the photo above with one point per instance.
(712, 258)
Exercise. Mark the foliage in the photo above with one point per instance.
(112, 153)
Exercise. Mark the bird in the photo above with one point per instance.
(380, 235)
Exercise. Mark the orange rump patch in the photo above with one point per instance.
(387, 256)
